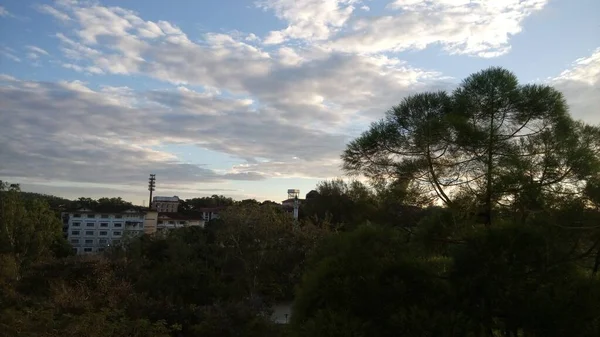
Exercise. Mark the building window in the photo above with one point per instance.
(104, 216)
(74, 240)
(116, 233)
(77, 215)
(103, 233)
(90, 224)
(182, 222)
(87, 250)
(171, 222)
(91, 216)
(76, 224)
(88, 233)
(118, 225)
(104, 224)
(118, 216)
(102, 241)
(89, 241)
(116, 242)
(160, 222)
(74, 232)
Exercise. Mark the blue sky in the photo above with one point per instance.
(250, 98)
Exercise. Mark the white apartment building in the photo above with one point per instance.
(91, 232)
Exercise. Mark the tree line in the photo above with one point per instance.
(474, 212)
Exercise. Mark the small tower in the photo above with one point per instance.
(151, 186)
(293, 194)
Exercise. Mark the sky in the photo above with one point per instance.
(250, 98)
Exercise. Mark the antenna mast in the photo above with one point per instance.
(151, 186)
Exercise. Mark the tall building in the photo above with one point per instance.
(90, 231)
(165, 204)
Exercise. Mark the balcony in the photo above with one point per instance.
(134, 225)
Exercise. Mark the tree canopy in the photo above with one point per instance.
(494, 140)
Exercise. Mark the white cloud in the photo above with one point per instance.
(585, 70)
(75, 50)
(482, 28)
(581, 86)
(4, 12)
(35, 52)
(292, 102)
(59, 143)
(308, 19)
(292, 106)
(472, 27)
(289, 56)
(9, 53)
(47, 9)
(7, 78)
(284, 81)
(252, 37)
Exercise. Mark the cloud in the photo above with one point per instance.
(9, 53)
(69, 132)
(283, 105)
(4, 12)
(35, 52)
(296, 84)
(47, 9)
(480, 28)
(581, 87)
(282, 113)
(312, 20)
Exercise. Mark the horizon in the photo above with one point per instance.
(249, 99)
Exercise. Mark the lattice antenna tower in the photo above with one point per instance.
(151, 187)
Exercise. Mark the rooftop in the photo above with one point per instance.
(171, 199)
(180, 216)
(108, 209)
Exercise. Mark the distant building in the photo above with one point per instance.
(167, 221)
(89, 231)
(165, 204)
(288, 205)
(209, 213)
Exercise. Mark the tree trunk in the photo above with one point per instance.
(490, 158)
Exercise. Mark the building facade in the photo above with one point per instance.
(209, 213)
(92, 232)
(167, 221)
(155, 222)
(165, 204)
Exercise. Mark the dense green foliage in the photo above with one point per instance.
(481, 219)
(218, 281)
(515, 250)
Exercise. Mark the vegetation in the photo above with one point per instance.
(480, 218)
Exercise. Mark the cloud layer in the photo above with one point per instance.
(283, 104)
